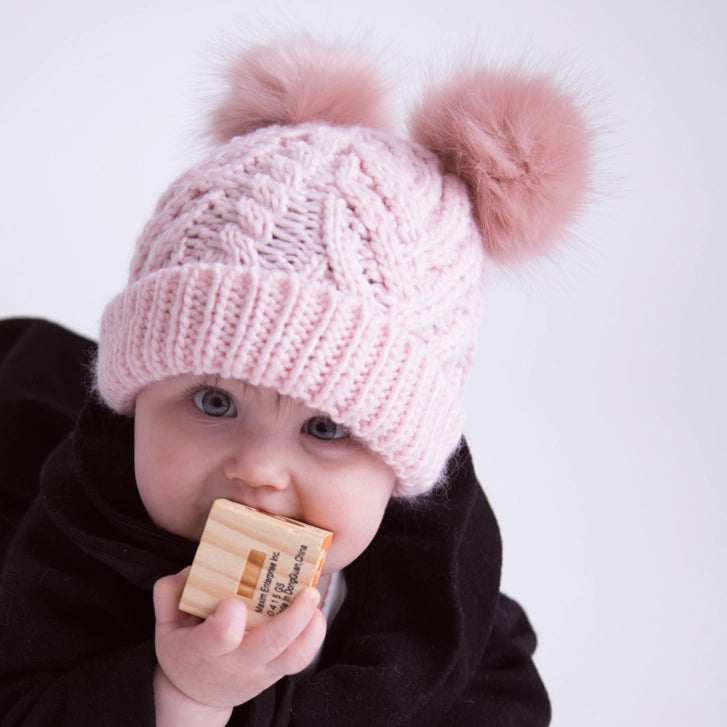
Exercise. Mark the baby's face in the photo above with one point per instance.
(200, 438)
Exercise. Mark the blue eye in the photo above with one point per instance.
(325, 428)
(214, 402)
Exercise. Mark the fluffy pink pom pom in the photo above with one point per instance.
(522, 147)
(299, 79)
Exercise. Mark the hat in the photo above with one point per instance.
(319, 253)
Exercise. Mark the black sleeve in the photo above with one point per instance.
(44, 377)
(506, 686)
(113, 690)
(75, 638)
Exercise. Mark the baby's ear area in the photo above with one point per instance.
(522, 145)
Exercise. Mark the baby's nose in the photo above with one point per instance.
(260, 462)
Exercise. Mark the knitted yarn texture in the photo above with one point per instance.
(338, 264)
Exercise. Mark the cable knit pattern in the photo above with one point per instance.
(337, 265)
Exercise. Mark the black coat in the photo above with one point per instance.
(423, 638)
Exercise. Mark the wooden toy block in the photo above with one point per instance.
(264, 560)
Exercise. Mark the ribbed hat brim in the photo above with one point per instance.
(308, 341)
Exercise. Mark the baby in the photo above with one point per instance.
(296, 334)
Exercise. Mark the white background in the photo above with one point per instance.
(597, 408)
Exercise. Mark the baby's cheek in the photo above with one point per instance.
(164, 505)
(349, 542)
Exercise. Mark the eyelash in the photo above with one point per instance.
(197, 394)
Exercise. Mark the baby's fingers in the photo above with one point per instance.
(304, 648)
(289, 641)
(223, 631)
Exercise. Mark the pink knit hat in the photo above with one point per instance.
(317, 253)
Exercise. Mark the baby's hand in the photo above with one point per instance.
(215, 662)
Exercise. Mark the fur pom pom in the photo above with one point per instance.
(299, 79)
(522, 147)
